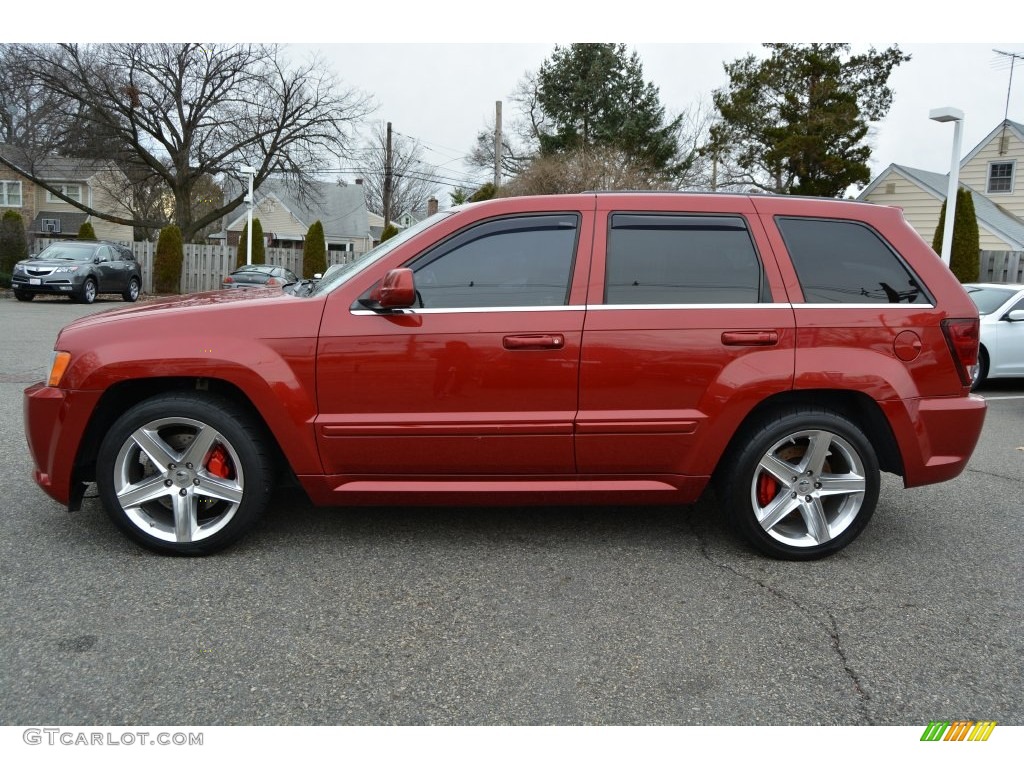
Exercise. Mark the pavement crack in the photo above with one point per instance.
(993, 474)
(830, 628)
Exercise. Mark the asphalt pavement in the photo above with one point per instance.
(555, 615)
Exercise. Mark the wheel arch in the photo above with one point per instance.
(855, 406)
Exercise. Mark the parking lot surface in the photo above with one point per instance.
(568, 615)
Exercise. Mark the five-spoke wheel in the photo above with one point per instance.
(184, 474)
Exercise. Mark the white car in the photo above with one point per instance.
(1001, 306)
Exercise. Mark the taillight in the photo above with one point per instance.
(963, 335)
(275, 281)
(229, 279)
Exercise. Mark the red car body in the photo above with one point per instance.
(575, 400)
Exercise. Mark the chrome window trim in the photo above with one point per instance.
(865, 305)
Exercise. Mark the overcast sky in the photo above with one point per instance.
(435, 69)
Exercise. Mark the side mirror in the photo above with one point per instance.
(1016, 316)
(396, 291)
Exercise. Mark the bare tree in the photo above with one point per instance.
(182, 114)
(413, 181)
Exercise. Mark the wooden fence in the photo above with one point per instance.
(1001, 267)
(204, 266)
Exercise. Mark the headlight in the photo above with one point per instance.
(65, 269)
(19, 268)
(58, 364)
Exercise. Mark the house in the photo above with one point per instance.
(408, 218)
(286, 216)
(989, 172)
(95, 183)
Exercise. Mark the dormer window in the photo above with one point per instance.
(1000, 177)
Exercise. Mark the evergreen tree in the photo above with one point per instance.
(86, 232)
(594, 95)
(796, 122)
(314, 251)
(13, 243)
(389, 231)
(964, 255)
(259, 248)
(167, 263)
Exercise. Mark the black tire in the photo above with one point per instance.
(24, 296)
(176, 497)
(821, 494)
(132, 291)
(982, 373)
(87, 293)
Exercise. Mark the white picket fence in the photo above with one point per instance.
(204, 266)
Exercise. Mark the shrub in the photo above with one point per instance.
(167, 263)
(13, 242)
(259, 248)
(314, 251)
(86, 232)
(389, 231)
(964, 255)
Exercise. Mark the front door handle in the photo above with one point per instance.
(750, 338)
(534, 341)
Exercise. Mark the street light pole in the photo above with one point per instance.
(955, 116)
(248, 169)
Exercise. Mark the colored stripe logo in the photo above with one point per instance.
(958, 730)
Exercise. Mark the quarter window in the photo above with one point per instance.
(517, 262)
(673, 259)
(1000, 177)
(10, 194)
(844, 262)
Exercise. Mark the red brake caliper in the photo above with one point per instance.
(767, 488)
(219, 463)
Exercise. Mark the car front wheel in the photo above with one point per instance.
(24, 295)
(87, 293)
(183, 474)
(802, 485)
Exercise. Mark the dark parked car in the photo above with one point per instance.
(596, 348)
(78, 269)
(258, 276)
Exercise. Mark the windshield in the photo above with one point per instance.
(68, 252)
(339, 274)
(988, 300)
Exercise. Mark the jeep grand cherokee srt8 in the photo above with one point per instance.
(590, 348)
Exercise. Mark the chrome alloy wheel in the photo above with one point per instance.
(808, 488)
(178, 480)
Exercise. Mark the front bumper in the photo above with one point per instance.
(52, 284)
(55, 422)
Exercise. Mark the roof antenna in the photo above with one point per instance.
(1003, 148)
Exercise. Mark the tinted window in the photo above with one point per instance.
(988, 300)
(844, 262)
(519, 262)
(670, 259)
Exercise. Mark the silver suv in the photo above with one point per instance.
(81, 270)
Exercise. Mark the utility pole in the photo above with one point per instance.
(387, 180)
(497, 145)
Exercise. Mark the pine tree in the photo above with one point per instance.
(964, 255)
(167, 263)
(314, 251)
(259, 248)
(86, 232)
(13, 242)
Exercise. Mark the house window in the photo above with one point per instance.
(74, 191)
(10, 194)
(1000, 177)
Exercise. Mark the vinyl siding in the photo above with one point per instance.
(975, 173)
(275, 218)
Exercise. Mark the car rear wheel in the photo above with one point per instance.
(183, 474)
(24, 295)
(801, 484)
(132, 292)
(87, 293)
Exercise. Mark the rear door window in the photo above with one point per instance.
(682, 259)
(846, 262)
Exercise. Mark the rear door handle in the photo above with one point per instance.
(750, 338)
(534, 341)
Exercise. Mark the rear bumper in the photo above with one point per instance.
(55, 420)
(936, 435)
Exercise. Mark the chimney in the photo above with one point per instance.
(431, 206)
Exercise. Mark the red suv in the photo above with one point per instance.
(593, 348)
